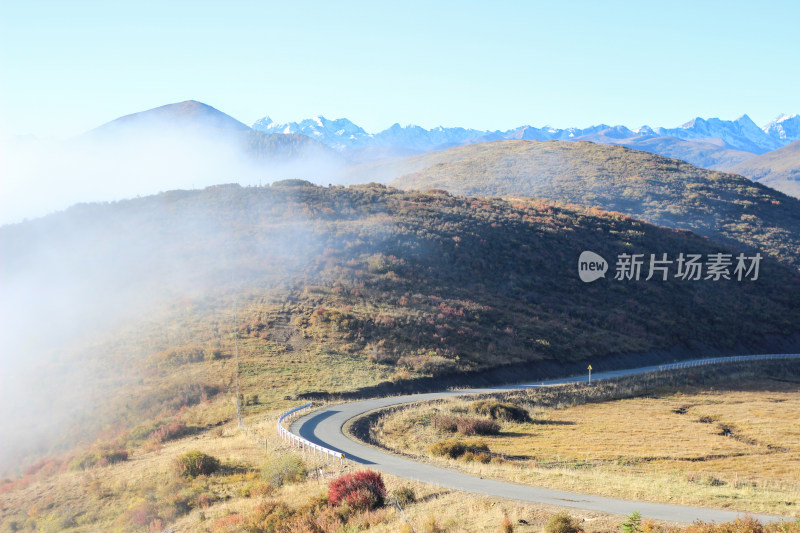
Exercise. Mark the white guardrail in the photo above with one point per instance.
(299, 441)
(731, 359)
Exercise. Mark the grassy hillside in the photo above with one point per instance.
(129, 323)
(395, 283)
(663, 191)
(779, 169)
(370, 263)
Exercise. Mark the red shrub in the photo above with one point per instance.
(143, 513)
(170, 431)
(205, 500)
(362, 490)
(231, 522)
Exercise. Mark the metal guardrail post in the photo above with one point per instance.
(302, 443)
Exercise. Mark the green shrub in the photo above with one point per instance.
(455, 449)
(404, 495)
(562, 523)
(449, 448)
(283, 469)
(195, 463)
(633, 524)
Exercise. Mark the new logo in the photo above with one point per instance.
(591, 267)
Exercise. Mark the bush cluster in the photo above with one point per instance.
(101, 456)
(466, 425)
(186, 354)
(196, 463)
(404, 495)
(562, 523)
(283, 469)
(455, 449)
(501, 411)
(361, 491)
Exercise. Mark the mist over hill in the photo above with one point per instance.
(184, 145)
(112, 309)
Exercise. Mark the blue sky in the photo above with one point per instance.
(66, 67)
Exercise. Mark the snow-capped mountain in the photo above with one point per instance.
(339, 134)
(418, 138)
(785, 127)
(741, 134)
(342, 134)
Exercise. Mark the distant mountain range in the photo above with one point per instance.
(709, 143)
(741, 134)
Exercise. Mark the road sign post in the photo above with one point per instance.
(590, 374)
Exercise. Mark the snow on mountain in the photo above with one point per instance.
(339, 134)
(784, 127)
(741, 134)
(418, 138)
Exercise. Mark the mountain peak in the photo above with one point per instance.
(745, 120)
(187, 114)
(784, 127)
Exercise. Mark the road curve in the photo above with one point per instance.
(324, 427)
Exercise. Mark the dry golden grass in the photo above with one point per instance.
(737, 449)
(98, 499)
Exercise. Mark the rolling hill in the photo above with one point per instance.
(779, 169)
(663, 191)
(137, 300)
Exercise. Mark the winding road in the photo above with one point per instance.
(324, 427)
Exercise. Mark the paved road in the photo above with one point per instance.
(324, 427)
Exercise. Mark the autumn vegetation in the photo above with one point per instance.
(669, 192)
(295, 290)
(725, 437)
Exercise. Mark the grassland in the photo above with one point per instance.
(727, 443)
(298, 289)
(145, 494)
